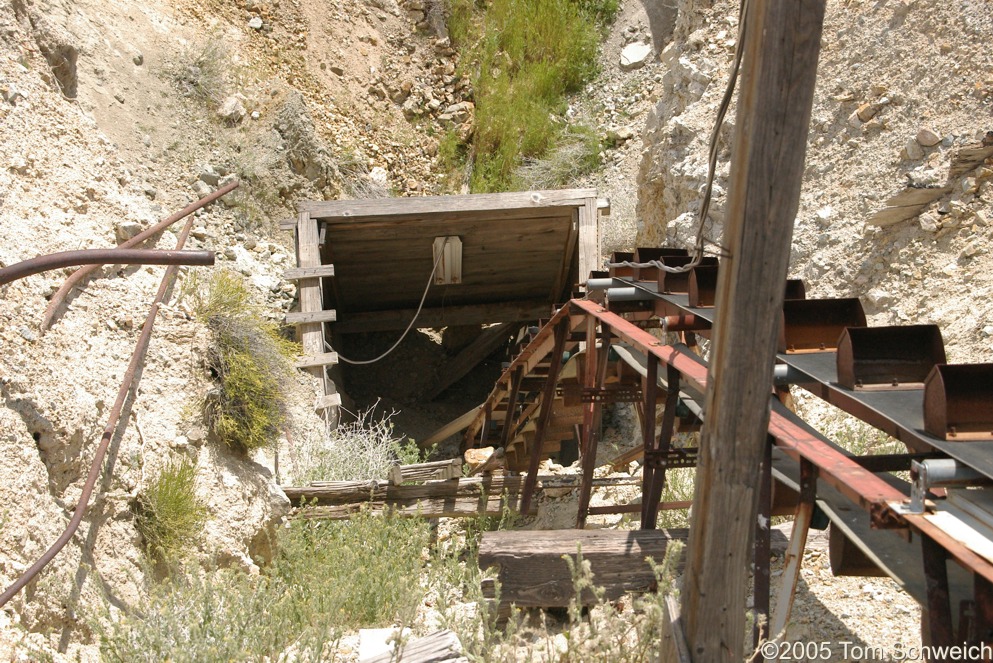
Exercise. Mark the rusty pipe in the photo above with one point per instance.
(80, 274)
(137, 360)
(104, 257)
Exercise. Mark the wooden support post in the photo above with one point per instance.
(589, 239)
(794, 553)
(485, 344)
(781, 45)
(311, 333)
(508, 419)
(936, 617)
(763, 550)
(545, 413)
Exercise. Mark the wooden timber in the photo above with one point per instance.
(311, 317)
(482, 347)
(389, 320)
(323, 359)
(439, 469)
(297, 273)
(486, 495)
(438, 647)
(781, 46)
(532, 572)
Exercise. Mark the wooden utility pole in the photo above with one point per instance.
(782, 41)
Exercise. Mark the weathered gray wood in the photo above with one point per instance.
(968, 158)
(482, 347)
(465, 204)
(674, 647)
(311, 317)
(323, 359)
(438, 647)
(521, 311)
(589, 239)
(451, 428)
(906, 205)
(435, 470)
(327, 401)
(297, 273)
(781, 46)
(532, 572)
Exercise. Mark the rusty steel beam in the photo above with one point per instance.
(59, 297)
(51, 261)
(96, 467)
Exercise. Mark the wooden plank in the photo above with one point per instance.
(482, 347)
(297, 273)
(589, 239)
(311, 317)
(440, 646)
(906, 205)
(327, 401)
(323, 359)
(674, 648)
(781, 45)
(434, 470)
(511, 311)
(451, 428)
(532, 572)
(570, 254)
(479, 204)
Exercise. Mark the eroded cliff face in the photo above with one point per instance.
(902, 88)
(115, 115)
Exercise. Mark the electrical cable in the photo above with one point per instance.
(698, 249)
(358, 362)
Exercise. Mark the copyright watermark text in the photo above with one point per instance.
(856, 651)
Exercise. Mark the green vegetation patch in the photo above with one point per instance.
(250, 358)
(168, 512)
(327, 577)
(525, 58)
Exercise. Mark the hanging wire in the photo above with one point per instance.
(698, 247)
(363, 362)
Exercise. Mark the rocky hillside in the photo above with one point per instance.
(116, 114)
(902, 88)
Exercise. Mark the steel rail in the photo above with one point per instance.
(104, 257)
(59, 297)
(137, 361)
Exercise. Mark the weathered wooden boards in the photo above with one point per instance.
(485, 495)
(434, 470)
(438, 647)
(532, 572)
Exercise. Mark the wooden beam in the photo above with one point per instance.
(297, 273)
(451, 428)
(532, 572)
(311, 305)
(434, 470)
(485, 344)
(589, 239)
(311, 317)
(371, 321)
(479, 203)
(327, 401)
(781, 46)
(323, 359)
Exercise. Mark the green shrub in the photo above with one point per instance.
(249, 357)
(526, 56)
(327, 577)
(168, 511)
(198, 71)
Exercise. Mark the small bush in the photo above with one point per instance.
(360, 450)
(198, 72)
(168, 511)
(576, 153)
(326, 578)
(249, 357)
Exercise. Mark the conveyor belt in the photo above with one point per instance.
(898, 413)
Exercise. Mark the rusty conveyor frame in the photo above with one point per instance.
(818, 461)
